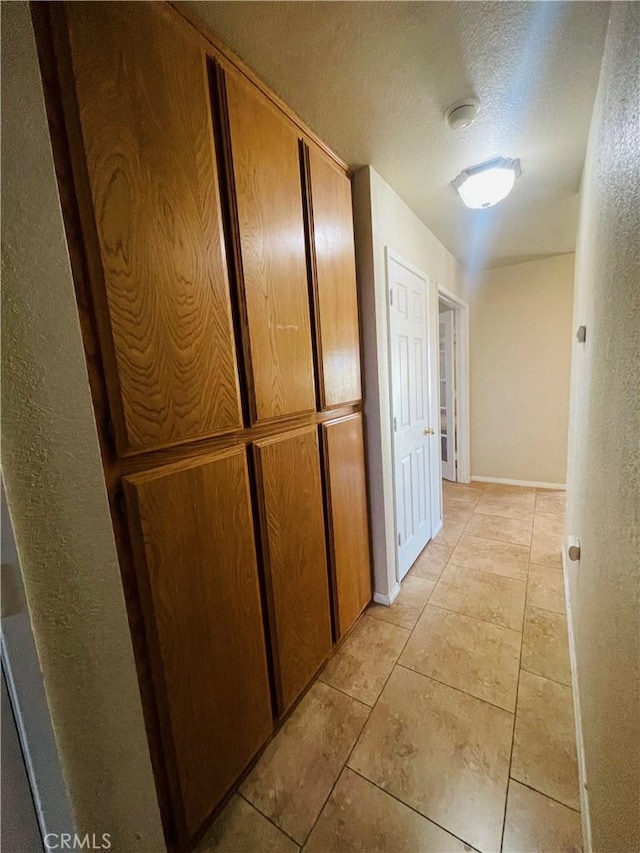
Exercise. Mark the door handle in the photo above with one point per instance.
(429, 431)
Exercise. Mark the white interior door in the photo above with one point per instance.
(408, 312)
(447, 396)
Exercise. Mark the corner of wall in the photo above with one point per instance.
(55, 484)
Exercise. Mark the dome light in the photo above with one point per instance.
(487, 184)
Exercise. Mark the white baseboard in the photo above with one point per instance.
(585, 814)
(387, 600)
(437, 528)
(532, 484)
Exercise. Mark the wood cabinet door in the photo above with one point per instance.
(292, 518)
(268, 191)
(348, 518)
(192, 532)
(336, 294)
(158, 265)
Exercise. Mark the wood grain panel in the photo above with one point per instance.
(336, 297)
(290, 489)
(193, 533)
(144, 111)
(266, 168)
(348, 518)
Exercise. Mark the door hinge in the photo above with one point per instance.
(395, 425)
(390, 296)
(399, 539)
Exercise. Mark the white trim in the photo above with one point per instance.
(431, 298)
(437, 528)
(532, 484)
(390, 255)
(462, 382)
(387, 600)
(585, 813)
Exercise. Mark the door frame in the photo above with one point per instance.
(447, 319)
(433, 398)
(461, 368)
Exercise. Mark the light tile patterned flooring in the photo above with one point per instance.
(445, 722)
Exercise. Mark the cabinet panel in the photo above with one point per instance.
(336, 299)
(146, 124)
(290, 488)
(266, 167)
(193, 534)
(347, 499)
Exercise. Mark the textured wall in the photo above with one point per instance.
(382, 219)
(55, 487)
(520, 346)
(604, 442)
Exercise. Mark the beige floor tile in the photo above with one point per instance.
(546, 588)
(544, 747)
(442, 752)
(456, 511)
(293, 778)
(241, 828)
(485, 595)
(431, 561)
(546, 550)
(487, 555)
(507, 489)
(362, 664)
(547, 541)
(536, 824)
(548, 523)
(553, 501)
(461, 492)
(475, 656)
(514, 530)
(450, 533)
(406, 609)
(508, 501)
(360, 818)
(545, 646)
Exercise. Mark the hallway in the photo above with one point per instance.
(432, 707)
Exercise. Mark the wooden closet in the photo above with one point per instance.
(211, 240)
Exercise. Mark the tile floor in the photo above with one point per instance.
(445, 722)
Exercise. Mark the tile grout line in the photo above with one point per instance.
(457, 689)
(270, 820)
(543, 794)
(411, 808)
(515, 715)
(477, 618)
(355, 743)
(546, 677)
(344, 693)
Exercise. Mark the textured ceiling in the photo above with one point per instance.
(374, 80)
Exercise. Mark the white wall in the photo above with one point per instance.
(382, 219)
(520, 345)
(604, 449)
(55, 487)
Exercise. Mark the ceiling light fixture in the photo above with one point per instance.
(487, 184)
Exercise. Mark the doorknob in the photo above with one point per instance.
(429, 431)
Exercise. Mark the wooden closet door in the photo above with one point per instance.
(159, 270)
(336, 297)
(266, 168)
(192, 532)
(288, 468)
(348, 518)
